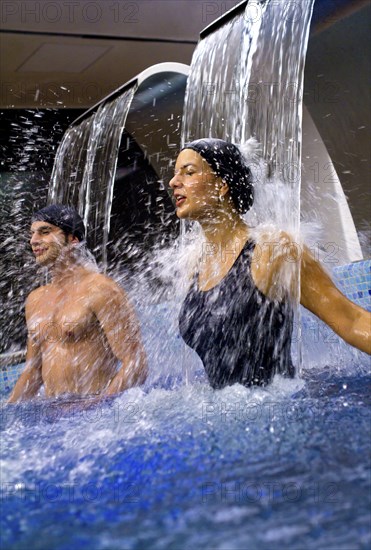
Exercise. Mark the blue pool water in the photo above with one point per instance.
(177, 466)
(282, 467)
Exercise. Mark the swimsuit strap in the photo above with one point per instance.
(246, 252)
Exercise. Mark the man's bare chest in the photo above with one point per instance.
(61, 315)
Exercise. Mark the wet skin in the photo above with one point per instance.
(195, 187)
(79, 327)
(200, 195)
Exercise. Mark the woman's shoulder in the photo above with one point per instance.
(268, 236)
(275, 262)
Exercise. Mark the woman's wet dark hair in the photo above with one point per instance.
(227, 161)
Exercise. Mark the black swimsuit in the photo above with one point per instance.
(240, 334)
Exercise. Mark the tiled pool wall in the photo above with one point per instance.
(9, 376)
(354, 280)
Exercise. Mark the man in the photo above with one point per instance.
(81, 323)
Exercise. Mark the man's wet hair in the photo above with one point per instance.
(62, 216)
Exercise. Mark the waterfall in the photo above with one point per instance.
(69, 164)
(246, 80)
(85, 166)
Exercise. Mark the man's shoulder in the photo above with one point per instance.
(36, 293)
(102, 292)
(98, 284)
(99, 280)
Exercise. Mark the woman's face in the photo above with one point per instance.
(195, 186)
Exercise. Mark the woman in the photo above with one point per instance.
(238, 312)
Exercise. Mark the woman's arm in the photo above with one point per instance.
(321, 297)
(275, 275)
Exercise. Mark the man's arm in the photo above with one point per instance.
(321, 297)
(30, 381)
(121, 328)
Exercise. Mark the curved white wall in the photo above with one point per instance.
(323, 200)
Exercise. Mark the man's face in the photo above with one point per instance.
(47, 242)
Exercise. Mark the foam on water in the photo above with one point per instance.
(279, 465)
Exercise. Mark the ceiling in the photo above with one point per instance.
(72, 53)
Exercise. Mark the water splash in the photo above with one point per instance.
(246, 81)
(26, 165)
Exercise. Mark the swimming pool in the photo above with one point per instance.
(191, 467)
(177, 465)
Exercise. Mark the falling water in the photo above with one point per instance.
(85, 166)
(246, 81)
(99, 164)
(69, 163)
(28, 150)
